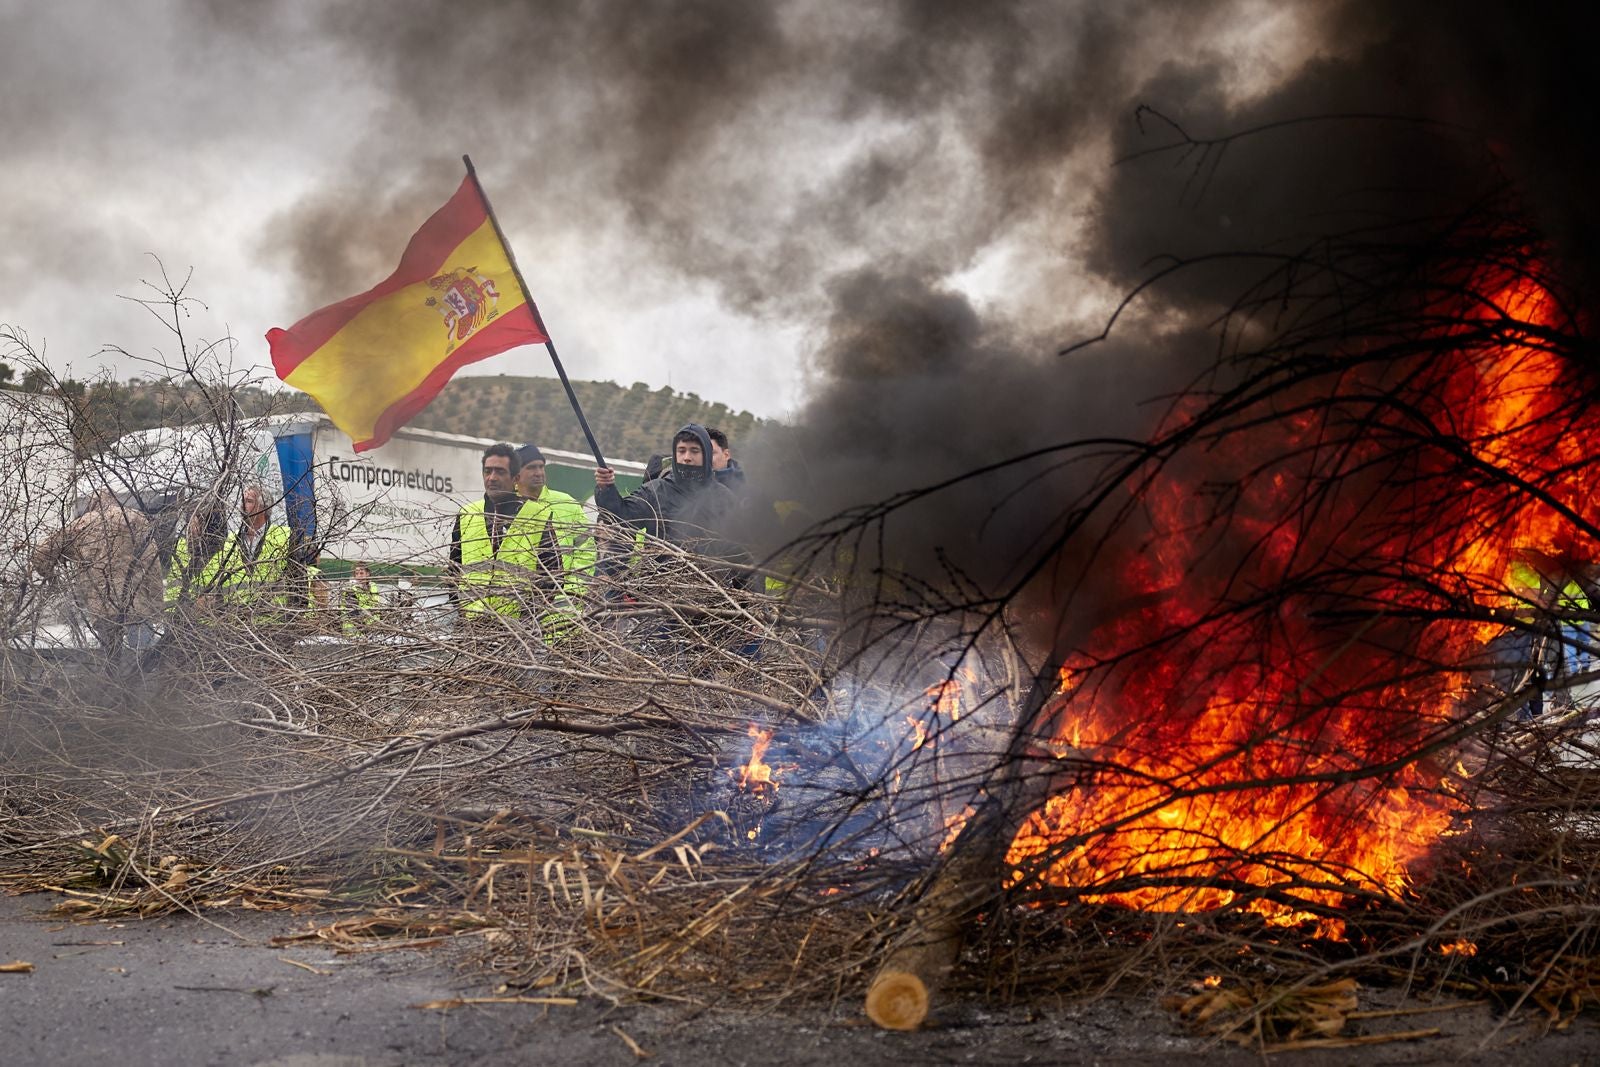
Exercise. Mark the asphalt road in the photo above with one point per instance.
(182, 990)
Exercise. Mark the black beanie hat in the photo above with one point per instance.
(529, 454)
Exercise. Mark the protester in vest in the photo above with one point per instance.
(495, 551)
(566, 540)
(792, 519)
(1546, 591)
(251, 568)
(203, 536)
(686, 506)
(115, 571)
(359, 600)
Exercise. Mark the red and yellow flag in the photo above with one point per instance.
(375, 360)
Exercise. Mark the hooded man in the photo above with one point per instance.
(360, 600)
(686, 505)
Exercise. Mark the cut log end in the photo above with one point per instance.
(898, 1000)
(969, 876)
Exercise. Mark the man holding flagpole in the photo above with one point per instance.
(686, 506)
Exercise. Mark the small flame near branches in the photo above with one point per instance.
(944, 698)
(1462, 947)
(952, 827)
(942, 702)
(919, 732)
(757, 776)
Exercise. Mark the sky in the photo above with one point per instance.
(687, 186)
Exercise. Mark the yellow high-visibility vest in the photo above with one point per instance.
(496, 579)
(242, 580)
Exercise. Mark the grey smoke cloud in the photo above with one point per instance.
(762, 148)
(703, 164)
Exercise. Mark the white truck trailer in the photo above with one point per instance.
(391, 505)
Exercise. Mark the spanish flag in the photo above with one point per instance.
(375, 360)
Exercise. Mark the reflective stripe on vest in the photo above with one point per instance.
(514, 563)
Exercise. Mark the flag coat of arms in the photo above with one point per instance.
(375, 360)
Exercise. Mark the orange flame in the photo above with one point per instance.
(757, 776)
(952, 827)
(1232, 757)
(919, 732)
(947, 698)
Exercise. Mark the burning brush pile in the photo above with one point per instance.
(1326, 715)
(1345, 699)
(1289, 711)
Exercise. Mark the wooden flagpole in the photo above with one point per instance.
(549, 345)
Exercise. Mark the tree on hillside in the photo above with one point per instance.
(629, 422)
